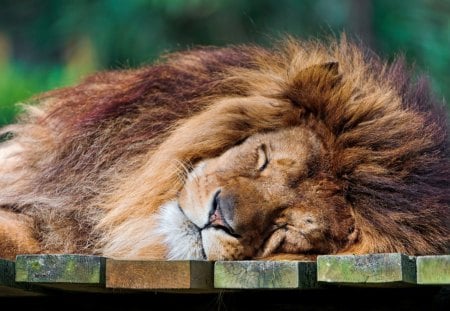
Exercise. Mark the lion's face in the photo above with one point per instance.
(265, 197)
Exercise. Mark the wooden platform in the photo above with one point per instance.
(367, 282)
(43, 274)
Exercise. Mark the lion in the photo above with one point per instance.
(232, 153)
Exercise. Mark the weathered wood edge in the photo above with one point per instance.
(433, 270)
(63, 271)
(265, 275)
(387, 269)
(159, 275)
(8, 286)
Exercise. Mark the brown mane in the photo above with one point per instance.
(102, 156)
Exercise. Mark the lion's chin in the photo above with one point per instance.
(219, 245)
(181, 237)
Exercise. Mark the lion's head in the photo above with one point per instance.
(267, 196)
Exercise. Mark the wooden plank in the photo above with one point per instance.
(433, 270)
(388, 269)
(69, 272)
(265, 274)
(8, 286)
(156, 275)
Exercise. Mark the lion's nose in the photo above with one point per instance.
(221, 213)
(216, 217)
(215, 201)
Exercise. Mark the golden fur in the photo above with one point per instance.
(96, 167)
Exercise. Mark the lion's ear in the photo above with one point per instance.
(315, 85)
(321, 75)
(330, 67)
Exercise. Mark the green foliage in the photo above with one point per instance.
(51, 43)
(18, 83)
(420, 30)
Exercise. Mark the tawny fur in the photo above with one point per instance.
(91, 164)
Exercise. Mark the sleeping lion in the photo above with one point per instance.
(233, 153)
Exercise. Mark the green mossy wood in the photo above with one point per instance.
(61, 271)
(153, 275)
(264, 274)
(367, 270)
(433, 270)
(8, 286)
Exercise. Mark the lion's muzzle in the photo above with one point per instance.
(221, 215)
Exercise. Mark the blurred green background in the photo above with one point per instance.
(53, 43)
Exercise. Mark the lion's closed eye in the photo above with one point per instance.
(263, 159)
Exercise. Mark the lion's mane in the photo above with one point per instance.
(94, 162)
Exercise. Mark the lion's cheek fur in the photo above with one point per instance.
(181, 237)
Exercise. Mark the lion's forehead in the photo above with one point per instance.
(290, 148)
